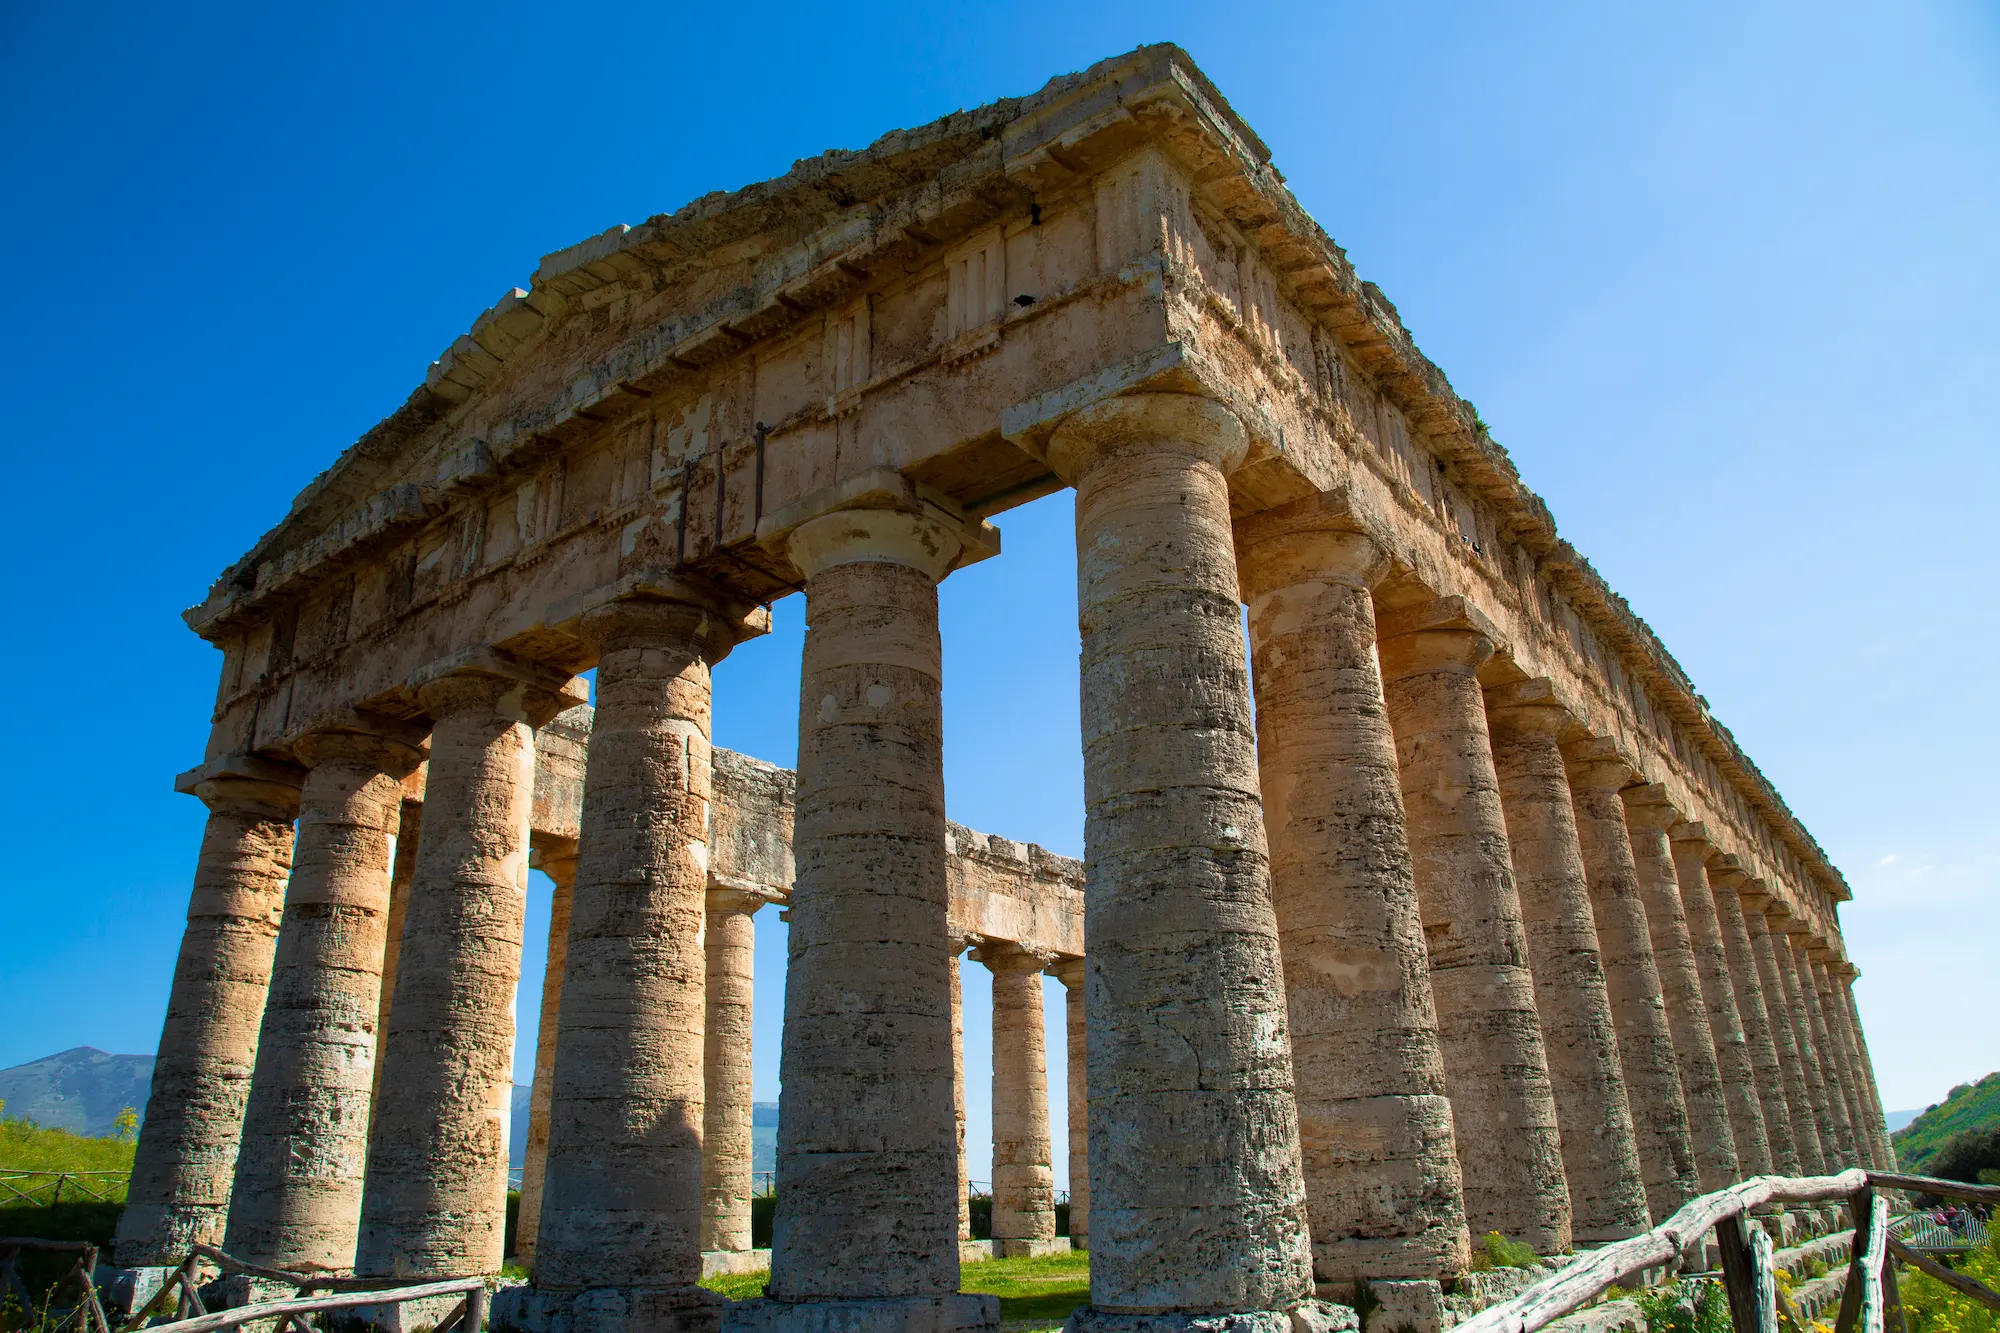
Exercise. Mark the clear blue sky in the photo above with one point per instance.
(1723, 277)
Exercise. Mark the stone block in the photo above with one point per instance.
(528, 1309)
(1032, 1249)
(126, 1290)
(1410, 1306)
(734, 1263)
(1313, 1316)
(959, 1313)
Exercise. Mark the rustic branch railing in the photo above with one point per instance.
(186, 1280)
(23, 1186)
(89, 1313)
(470, 1314)
(1748, 1272)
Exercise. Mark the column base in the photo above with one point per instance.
(734, 1263)
(1021, 1248)
(1311, 1316)
(530, 1309)
(914, 1314)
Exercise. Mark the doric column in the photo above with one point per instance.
(955, 945)
(1607, 1191)
(1779, 920)
(402, 873)
(1746, 975)
(297, 1199)
(1638, 1005)
(1852, 1153)
(1375, 1129)
(622, 1206)
(1815, 973)
(1496, 1067)
(1024, 1192)
(1069, 971)
(1866, 1073)
(559, 864)
(867, 1160)
(1648, 816)
(1197, 1202)
(186, 1156)
(434, 1205)
(727, 1181)
(1725, 1021)
(1784, 1032)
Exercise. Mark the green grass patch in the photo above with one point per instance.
(26, 1146)
(1030, 1290)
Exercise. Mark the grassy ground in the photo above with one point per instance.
(25, 1146)
(1034, 1293)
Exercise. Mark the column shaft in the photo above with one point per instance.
(866, 1146)
(409, 832)
(186, 1155)
(296, 1204)
(1197, 1202)
(727, 1181)
(1375, 1127)
(1496, 1067)
(1867, 1070)
(1746, 977)
(1600, 1149)
(1070, 972)
(1725, 1021)
(1778, 919)
(1648, 816)
(560, 869)
(434, 1204)
(1805, 1128)
(1860, 1112)
(957, 946)
(1024, 1200)
(1852, 1153)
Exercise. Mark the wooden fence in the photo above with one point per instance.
(45, 1189)
(88, 1313)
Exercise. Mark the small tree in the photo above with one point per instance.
(127, 1123)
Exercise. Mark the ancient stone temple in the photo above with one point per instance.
(1479, 923)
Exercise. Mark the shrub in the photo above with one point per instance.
(1684, 1307)
(1929, 1306)
(1499, 1252)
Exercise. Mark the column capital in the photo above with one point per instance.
(1314, 540)
(877, 517)
(712, 624)
(1170, 420)
(554, 857)
(488, 678)
(1447, 634)
(1069, 971)
(1007, 956)
(245, 784)
(727, 894)
(1598, 763)
(1757, 896)
(388, 745)
(1529, 707)
(1650, 806)
(1694, 832)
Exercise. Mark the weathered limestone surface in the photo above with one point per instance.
(866, 1145)
(1829, 1056)
(1850, 1066)
(622, 1206)
(186, 1156)
(1690, 849)
(297, 1198)
(1375, 1126)
(1746, 975)
(1777, 921)
(1877, 1123)
(726, 1177)
(1502, 1104)
(409, 832)
(560, 867)
(1638, 1005)
(1197, 1202)
(1070, 972)
(1648, 816)
(435, 1199)
(1784, 1034)
(956, 946)
(1024, 1196)
(1600, 1147)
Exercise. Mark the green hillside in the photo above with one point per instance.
(1967, 1106)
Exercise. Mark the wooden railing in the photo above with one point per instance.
(1748, 1271)
(88, 1313)
(44, 1189)
(340, 1293)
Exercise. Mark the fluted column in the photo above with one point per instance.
(1600, 1148)
(622, 1209)
(727, 1181)
(1814, 973)
(867, 1160)
(955, 946)
(1648, 816)
(1375, 1128)
(1784, 1031)
(1866, 1073)
(402, 872)
(1024, 1194)
(1746, 975)
(1197, 1202)
(1851, 1152)
(1779, 921)
(186, 1155)
(1069, 971)
(1496, 1067)
(296, 1204)
(434, 1205)
(1638, 1004)
(560, 866)
(1725, 1022)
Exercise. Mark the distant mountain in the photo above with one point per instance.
(1897, 1119)
(763, 1136)
(81, 1090)
(1967, 1106)
(517, 1126)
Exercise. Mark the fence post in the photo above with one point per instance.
(1739, 1271)
(1862, 1206)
